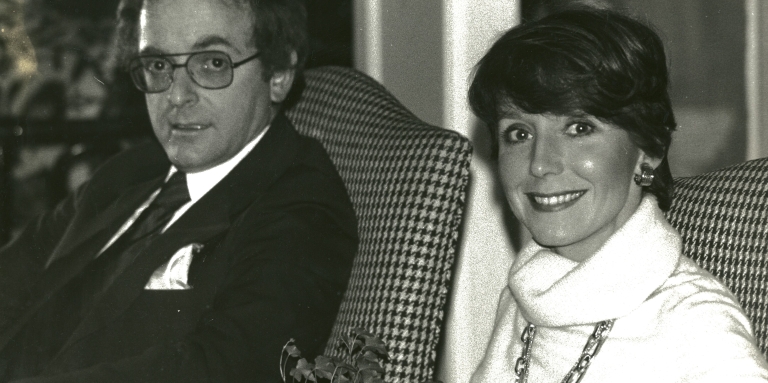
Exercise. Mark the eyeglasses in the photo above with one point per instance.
(209, 69)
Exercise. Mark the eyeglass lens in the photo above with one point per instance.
(211, 70)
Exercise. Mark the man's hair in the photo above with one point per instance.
(579, 61)
(280, 28)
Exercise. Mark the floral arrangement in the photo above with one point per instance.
(363, 354)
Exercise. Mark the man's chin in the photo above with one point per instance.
(188, 163)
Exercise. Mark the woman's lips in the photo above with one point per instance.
(554, 202)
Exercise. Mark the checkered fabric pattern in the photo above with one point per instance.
(407, 181)
(723, 218)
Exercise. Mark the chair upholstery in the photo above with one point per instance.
(723, 219)
(407, 182)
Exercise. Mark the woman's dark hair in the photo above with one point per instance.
(280, 28)
(589, 61)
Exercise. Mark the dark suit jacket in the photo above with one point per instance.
(279, 235)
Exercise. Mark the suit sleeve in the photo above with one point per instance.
(23, 259)
(290, 262)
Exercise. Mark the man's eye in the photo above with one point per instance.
(516, 135)
(579, 129)
(215, 64)
(157, 65)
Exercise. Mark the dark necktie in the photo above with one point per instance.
(150, 223)
(153, 219)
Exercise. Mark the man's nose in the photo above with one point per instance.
(546, 157)
(183, 90)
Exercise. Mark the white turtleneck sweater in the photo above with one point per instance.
(675, 321)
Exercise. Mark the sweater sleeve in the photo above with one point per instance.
(711, 338)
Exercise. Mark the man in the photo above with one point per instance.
(253, 233)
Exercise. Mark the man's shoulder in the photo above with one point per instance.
(304, 175)
(136, 164)
(310, 151)
(139, 159)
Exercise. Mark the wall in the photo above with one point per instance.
(423, 52)
(705, 46)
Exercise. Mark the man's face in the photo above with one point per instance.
(200, 128)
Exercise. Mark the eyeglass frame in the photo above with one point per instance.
(174, 66)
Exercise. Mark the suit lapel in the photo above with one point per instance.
(79, 245)
(208, 217)
(99, 228)
(127, 287)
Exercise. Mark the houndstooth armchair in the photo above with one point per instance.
(723, 219)
(407, 182)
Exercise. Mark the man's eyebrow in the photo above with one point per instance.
(210, 40)
(150, 50)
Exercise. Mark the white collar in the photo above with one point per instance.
(201, 182)
(553, 291)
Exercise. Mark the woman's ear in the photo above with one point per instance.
(282, 80)
(646, 159)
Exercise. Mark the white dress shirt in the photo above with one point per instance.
(198, 184)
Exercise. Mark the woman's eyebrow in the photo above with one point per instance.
(511, 113)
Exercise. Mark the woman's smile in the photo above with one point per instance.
(568, 178)
(554, 202)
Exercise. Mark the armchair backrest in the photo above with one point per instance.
(723, 219)
(407, 182)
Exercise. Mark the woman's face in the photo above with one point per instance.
(569, 179)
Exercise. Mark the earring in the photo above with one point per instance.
(645, 178)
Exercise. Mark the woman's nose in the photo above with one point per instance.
(546, 157)
(183, 90)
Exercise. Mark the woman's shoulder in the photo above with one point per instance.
(698, 315)
(692, 296)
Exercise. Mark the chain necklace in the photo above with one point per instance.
(594, 343)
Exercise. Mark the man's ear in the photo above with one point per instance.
(282, 80)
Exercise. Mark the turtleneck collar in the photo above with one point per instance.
(553, 291)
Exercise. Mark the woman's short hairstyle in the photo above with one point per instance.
(589, 61)
(280, 28)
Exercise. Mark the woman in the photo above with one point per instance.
(578, 107)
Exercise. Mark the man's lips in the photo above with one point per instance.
(189, 127)
(554, 202)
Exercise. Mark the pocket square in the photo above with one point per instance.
(173, 274)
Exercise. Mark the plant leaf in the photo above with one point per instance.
(368, 365)
(362, 332)
(305, 369)
(372, 379)
(347, 342)
(379, 350)
(370, 376)
(374, 341)
(297, 374)
(324, 367)
(293, 351)
(346, 366)
(324, 374)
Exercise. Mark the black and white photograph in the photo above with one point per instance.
(383, 191)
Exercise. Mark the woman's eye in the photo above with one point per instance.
(516, 135)
(579, 129)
